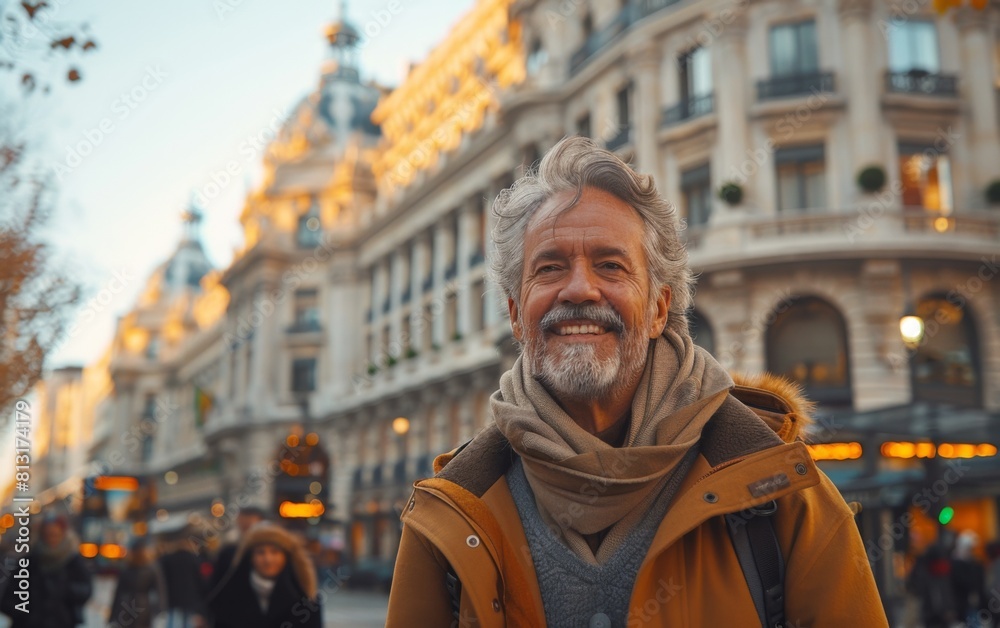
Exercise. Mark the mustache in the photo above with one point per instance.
(604, 315)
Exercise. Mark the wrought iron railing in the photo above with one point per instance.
(692, 107)
(795, 85)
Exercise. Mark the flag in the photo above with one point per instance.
(203, 402)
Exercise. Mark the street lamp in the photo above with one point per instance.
(911, 327)
(401, 425)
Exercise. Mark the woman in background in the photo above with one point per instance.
(271, 583)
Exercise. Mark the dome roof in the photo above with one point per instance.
(342, 33)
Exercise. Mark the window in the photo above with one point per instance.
(303, 374)
(153, 347)
(306, 310)
(793, 49)
(913, 46)
(701, 331)
(801, 178)
(695, 74)
(583, 125)
(925, 175)
(147, 447)
(808, 344)
(696, 190)
(945, 367)
(537, 56)
(309, 233)
(622, 98)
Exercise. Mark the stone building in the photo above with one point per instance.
(830, 160)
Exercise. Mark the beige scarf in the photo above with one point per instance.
(583, 485)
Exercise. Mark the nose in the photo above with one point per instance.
(580, 286)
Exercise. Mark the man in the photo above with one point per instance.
(598, 496)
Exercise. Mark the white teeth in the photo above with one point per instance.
(580, 329)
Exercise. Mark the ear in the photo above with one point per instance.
(659, 322)
(515, 319)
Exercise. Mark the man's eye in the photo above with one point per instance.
(549, 268)
(612, 265)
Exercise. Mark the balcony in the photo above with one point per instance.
(619, 139)
(304, 327)
(795, 85)
(921, 82)
(600, 39)
(693, 107)
(856, 232)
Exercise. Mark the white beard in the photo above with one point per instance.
(574, 372)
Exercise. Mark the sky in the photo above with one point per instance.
(172, 93)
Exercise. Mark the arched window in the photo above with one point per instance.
(807, 343)
(945, 367)
(701, 331)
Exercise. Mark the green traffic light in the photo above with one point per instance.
(946, 514)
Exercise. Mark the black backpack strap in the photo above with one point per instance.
(756, 545)
(454, 586)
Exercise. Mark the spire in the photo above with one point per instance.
(343, 38)
(192, 217)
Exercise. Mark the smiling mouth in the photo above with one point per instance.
(578, 329)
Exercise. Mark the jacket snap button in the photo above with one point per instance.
(413, 503)
(711, 497)
(496, 605)
(800, 469)
(472, 541)
(600, 620)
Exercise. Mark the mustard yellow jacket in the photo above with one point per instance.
(465, 517)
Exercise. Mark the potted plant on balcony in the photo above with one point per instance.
(372, 369)
(993, 192)
(731, 192)
(871, 179)
(411, 352)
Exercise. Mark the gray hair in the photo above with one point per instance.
(570, 165)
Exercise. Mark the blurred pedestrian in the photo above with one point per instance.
(141, 593)
(60, 583)
(181, 569)
(247, 518)
(993, 578)
(272, 584)
(968, 578)
(930, 581)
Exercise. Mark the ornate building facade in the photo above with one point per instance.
(830, 160)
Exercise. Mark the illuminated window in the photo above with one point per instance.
(925, 174)
(945, 367)
(807, 343)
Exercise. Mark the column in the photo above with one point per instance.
(861, 86)
(977, 83)
(420, 327)
(646, 92)
(396, 287)
(729, 69)
(345, 307)
(467, 243)
(494, 295)
(440, 257)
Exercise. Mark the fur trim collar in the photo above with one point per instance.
(298, 558)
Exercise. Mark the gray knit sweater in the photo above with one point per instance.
(575, 593)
